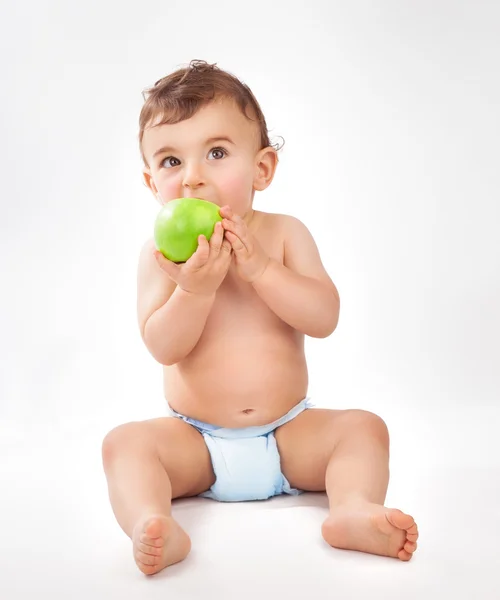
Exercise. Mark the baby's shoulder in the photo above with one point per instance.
(147, 260)
(277, 220)
(147, 250)
(280, 224)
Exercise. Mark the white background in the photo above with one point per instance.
(390, 115)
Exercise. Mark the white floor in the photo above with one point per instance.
(60, 539)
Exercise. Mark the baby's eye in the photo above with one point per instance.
(220, 153)
(167, 162)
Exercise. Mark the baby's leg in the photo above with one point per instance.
(347, 453)
(147, 464)
(357, 477)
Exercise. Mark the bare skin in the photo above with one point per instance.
(262, 358)
(262, 382)
(159, 541)
(247, 368)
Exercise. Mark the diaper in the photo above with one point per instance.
(246, 460)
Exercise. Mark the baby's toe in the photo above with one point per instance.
(146, 559)
(146, 569)
(401, 520)
(147, 549)
(153, 528)
(154, 543)
(403, 555)
(410, 547)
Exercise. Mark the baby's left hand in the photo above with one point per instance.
(251, 260)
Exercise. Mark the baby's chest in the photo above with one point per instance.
(237, 303)
(236, 300)
(238, 310)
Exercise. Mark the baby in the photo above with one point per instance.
(228, 327)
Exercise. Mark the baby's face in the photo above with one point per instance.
(212, 156)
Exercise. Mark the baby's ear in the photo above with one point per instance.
(266, 162)
(149, 182)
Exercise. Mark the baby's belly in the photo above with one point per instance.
(239, 383)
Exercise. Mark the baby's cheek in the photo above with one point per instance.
(169, 189)
(235, 188)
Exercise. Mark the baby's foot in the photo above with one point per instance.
(159, 542)
(371, 528)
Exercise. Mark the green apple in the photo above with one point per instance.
(180, 222)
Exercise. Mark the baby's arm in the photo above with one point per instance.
(300, 291)
(171, 320)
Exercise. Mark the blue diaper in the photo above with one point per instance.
(245, 460)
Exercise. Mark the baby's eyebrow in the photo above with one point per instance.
(212, 140)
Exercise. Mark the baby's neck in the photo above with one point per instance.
(253, 219)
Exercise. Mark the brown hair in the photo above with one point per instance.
(181, 94)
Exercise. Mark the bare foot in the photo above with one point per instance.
(371, 528)
(159, 542)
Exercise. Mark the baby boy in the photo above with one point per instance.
(228, 327)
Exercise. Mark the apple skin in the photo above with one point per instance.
(180, 222)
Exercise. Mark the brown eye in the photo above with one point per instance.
(220, 153)
(167, 162)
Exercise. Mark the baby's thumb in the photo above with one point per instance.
(166, 265)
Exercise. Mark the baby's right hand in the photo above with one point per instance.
(205, 270)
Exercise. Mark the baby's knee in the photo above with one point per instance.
(120, 439)
(368, 422)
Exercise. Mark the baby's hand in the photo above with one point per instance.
(251, 259)
(206, 269)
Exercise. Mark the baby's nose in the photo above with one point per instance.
(193, 176)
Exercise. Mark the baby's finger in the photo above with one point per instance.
(236, 244)
(226, 255)
(200, 257)
(226, 212)
(237, 228)
(226, 247)
(216, 239)
(166, 265)
(226, 251)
